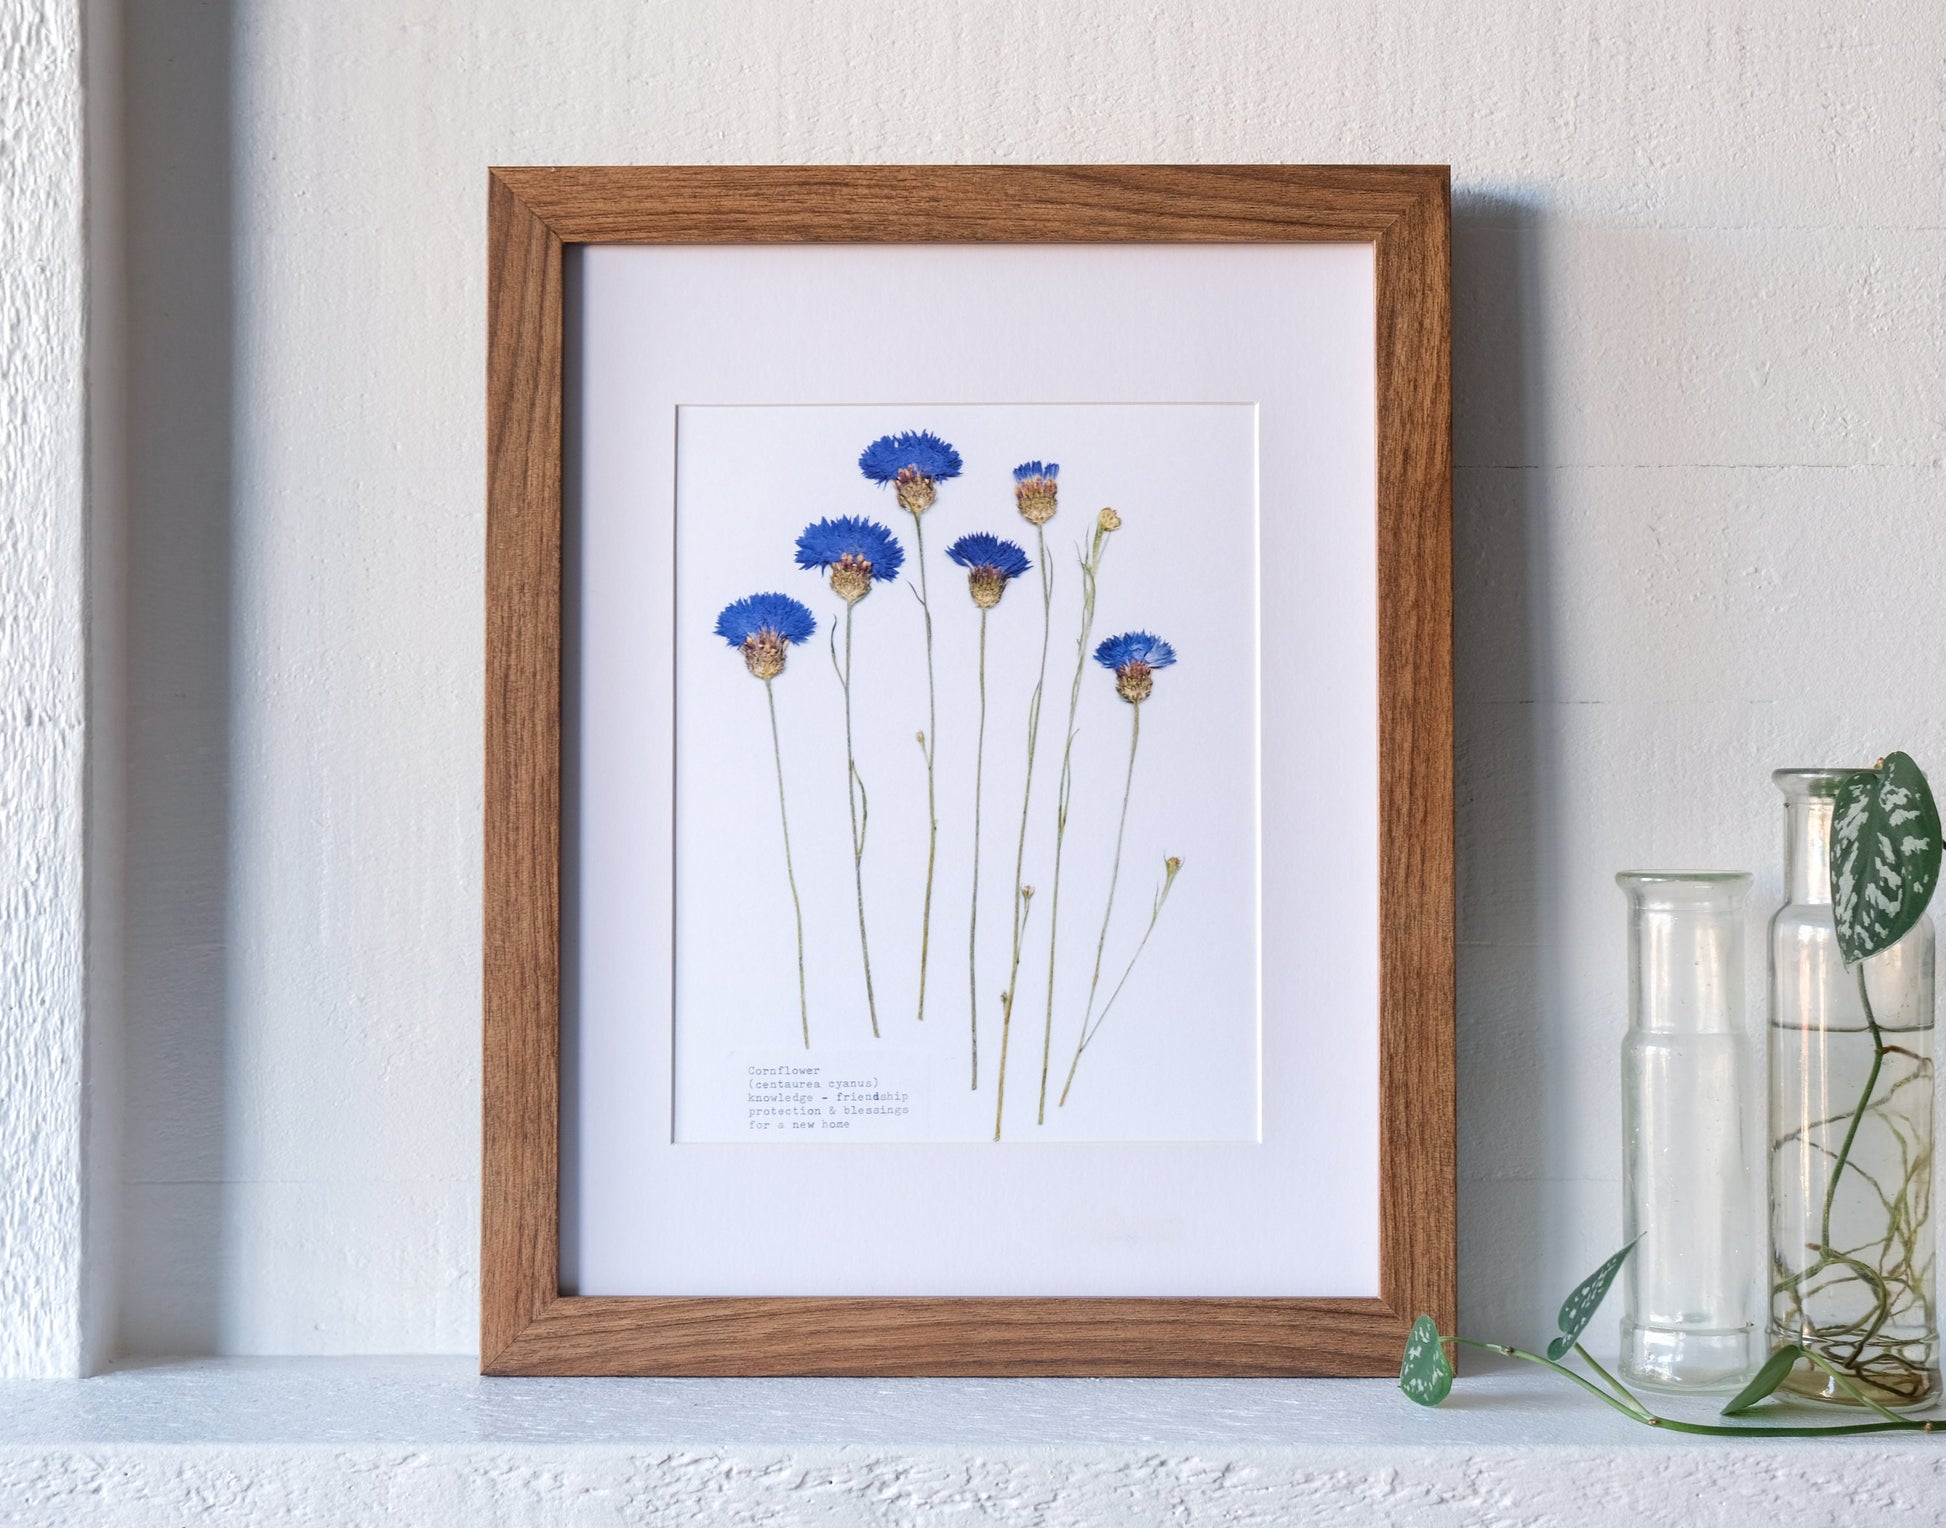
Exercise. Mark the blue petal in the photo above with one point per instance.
(980, 550)
(885, 458)
(1026, 470)
(1134, 647)
(755, 613)
(826, 541)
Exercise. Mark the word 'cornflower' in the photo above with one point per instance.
(1035, 488)
(764, 627)
(990, 563)
(856, 552)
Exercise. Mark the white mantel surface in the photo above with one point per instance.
(407, 1441)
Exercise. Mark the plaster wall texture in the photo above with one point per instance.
(43, 697)
(1698, 429)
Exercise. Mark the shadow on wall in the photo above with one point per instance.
(177, 65)
(1505, 792)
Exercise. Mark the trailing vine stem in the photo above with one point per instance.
(1625, 1402)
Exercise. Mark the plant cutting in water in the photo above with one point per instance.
(1859, 1295)
(1864, 1287)
(1426, 1373)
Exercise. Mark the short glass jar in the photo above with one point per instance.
(1691, 1301)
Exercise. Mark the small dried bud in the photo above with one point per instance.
(1108, 520)
(916, 493)
(1172, 864)
(1027, 891)
(851, 578)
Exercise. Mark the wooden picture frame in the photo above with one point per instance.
(526, 1325)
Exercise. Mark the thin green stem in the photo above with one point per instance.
(1115, 875)
(790, 870)
(973, 916)
(928, 744)
(1088, 1032)
(860, 820)
(1640, 1413)
(1857, 1115)
(1621, 1390)
(1021, 892)
(1090, 568)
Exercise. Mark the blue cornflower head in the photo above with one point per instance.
(856, 551)
(765, 626)
(1034, 490)
(990, 565)
(916, 460)
(1133, 657)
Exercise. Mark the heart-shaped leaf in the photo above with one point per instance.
(1885, 846)
(1766, 1379)
(1426, 1374)
(1579, 1308)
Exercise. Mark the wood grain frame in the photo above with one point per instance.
(526, 1325)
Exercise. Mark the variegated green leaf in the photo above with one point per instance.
(1579, 1308)
(1885, 845)
(1766, 1379)
(1426, 1374)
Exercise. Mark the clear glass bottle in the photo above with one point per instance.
(1851, 1083)
(1691, 1301)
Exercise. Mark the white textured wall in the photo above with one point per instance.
(43, 676)
(1698, 268)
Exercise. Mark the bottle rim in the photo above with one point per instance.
(1819, 781)
(1627, 878)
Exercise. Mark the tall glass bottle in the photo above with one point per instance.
(1851, 1132)
(1691, 1302)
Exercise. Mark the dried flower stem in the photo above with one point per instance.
(790, 870)
(1170, 868)
(1090, 568)
(861, 815)
(1115, 875)
(973, 917)
(1021, 894)
(927, 744)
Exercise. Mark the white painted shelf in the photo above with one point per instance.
(404, 1441)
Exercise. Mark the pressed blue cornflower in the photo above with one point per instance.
(765, 626)
(1133, 656)
(857, 552)
(1034, 490)
(916, 460)
(990, 564)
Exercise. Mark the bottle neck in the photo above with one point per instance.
(1807, 849)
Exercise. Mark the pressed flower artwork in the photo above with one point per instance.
(975, 858)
